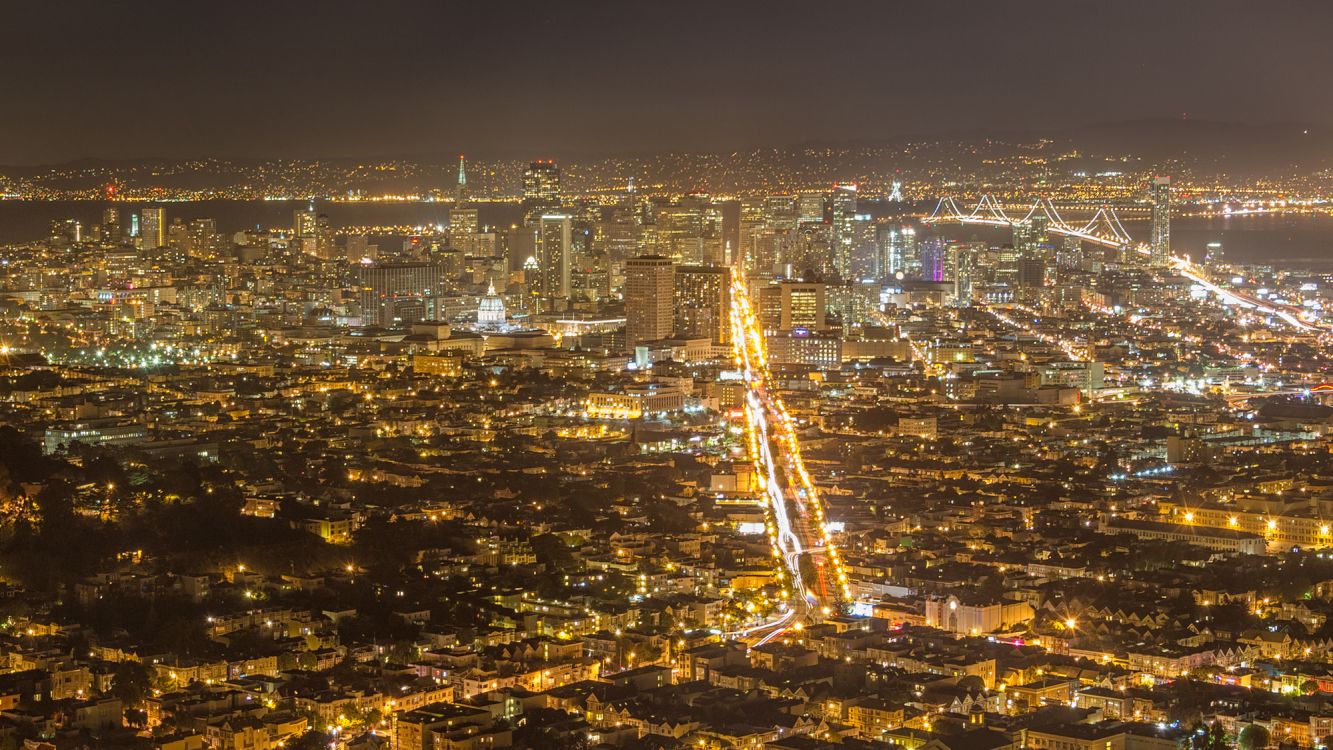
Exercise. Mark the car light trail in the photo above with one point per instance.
(1186, 269)
(797, 528)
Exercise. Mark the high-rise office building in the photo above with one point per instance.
(752, 226)
(178, 235)
(690, 231)
(399, 293)
(803, 305)
(850, 301)
(963, 259)
(521, 246)
(768, 299)
(589, 284)
(807, 250)
(305, 221)
(1213, 256)
(1070, 254)
(843, 236)
(111, 231)
(677, 231)
(649, 298)
(324, 238)
(865, 256)
(541, 184)
(463, 229)
(1160, 194)
(1032, 237)
(202, 238)
(358, 249)
(781, 211)
(703, 303)
(614, 234)
(896, 245)
(152, 228)
(934, 260)
(770, 248)
(66, 231)
(809, 207)
(553, 241)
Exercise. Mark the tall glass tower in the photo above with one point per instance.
(844, 229)
(1160, 195)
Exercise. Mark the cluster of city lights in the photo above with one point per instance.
(1071, 348)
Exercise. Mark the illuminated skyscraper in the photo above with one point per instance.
(178, 235)
(463, 229)
(460, 189)
(305, 221)
(934, 259)
(843, 239)
(690, 231)
(808, 250)
(781, 212)
(1160, 194)
(864, 255)
(703, 303)
(649, 297)
(1032, 237)
(541, 184)
(810, 207)
(751, 229)
(67, 231)
(152, 228)
(553, 240)
(111, 231)
(1213, 255)
(804, 305)
(398, 293)
(963, 259)
(1070, 254)
(324, 237)
(203, 239)
(897, 250)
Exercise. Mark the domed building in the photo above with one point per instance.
(491, 313)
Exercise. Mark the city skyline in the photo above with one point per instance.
(687, 376)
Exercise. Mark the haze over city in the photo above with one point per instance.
(589, 79)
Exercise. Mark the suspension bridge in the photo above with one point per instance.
(1104, 228)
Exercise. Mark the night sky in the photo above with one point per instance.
(492, 78)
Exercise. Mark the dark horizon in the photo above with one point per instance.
(1125, 129)
(334, 80)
